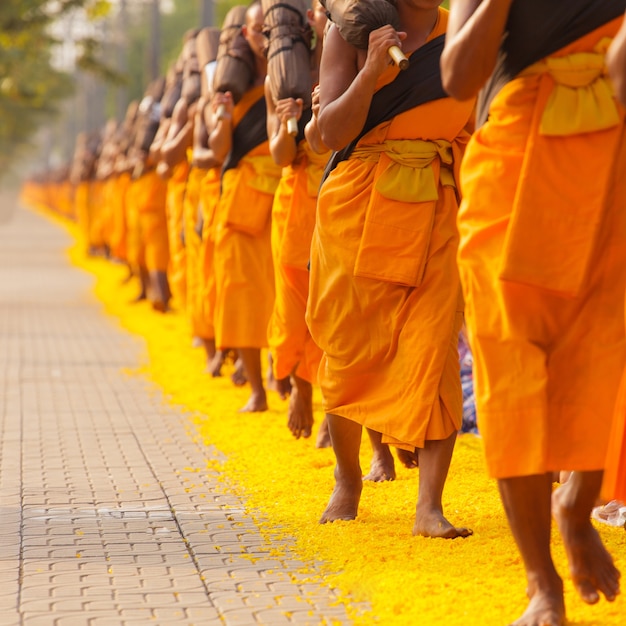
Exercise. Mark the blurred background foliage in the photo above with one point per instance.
(66, 66)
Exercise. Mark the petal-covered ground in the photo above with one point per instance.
(405, 579)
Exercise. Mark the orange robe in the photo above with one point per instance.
(66, 199)
(243, 257)
(293, 221)
(106, 209)
(614, 485)
(135, 246)
(385, 302)
(543, 263)
(193, 245)
(97, 210)
(118, 216)
(153, 220)
(176, 273)
(209, 197)
(82, 210)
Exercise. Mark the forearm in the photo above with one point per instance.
(341, 120)
(473, 39)
(204, 157)
(313, 137)
(174, 150)
(282, 145)
(221, 139)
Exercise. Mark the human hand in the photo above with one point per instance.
(222, 105)
(315, 101)
(289, 111)
(380, 41)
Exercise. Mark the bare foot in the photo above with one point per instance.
(343, 503)
(382, 467)
(432, 523)
(273, 383)
(238, 377)
(409, 459)
(323, 436)
(546, 608)
(590, 565)
(159, 306)
(257, 403)
(300, 421)
(209, 349)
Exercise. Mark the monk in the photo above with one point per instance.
(107, 177)
(188, 136)
(199, 202)
(385, 303)
(614, 486)
(134, 241)
(148, 200)
(174, 168)
(82, 177)
(209, 196)
(119, 209)
(243, 257)
(295, 356)
(543, 267)
(209, 193)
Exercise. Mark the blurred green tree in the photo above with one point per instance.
(31, 83)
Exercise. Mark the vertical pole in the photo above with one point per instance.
(121, 93)
(155, 41)
(207, 17)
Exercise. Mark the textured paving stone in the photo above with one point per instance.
(98, 525)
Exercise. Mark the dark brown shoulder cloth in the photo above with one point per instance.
(537, 28)
(248, 134)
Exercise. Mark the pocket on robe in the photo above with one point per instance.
(248, 199)
(396, 237)
(299, 225)
(558, 207)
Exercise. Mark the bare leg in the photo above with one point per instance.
(251, 359)
(382, 466)
(591, 566)
(161, 291)
(300, 417)
(323, 436)
(564, 476)
(144, 280)
(282, 386)
(214, 367)
(526, 501)
(434, 461)
(209, 348)
(344, 501)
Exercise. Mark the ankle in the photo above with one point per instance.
(350, 477)
(546, 581)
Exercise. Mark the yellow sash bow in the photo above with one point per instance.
(410, 176)
(581, 100)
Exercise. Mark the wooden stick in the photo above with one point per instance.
(292, 126)
(398, 57)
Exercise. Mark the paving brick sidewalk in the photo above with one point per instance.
(97, 525)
